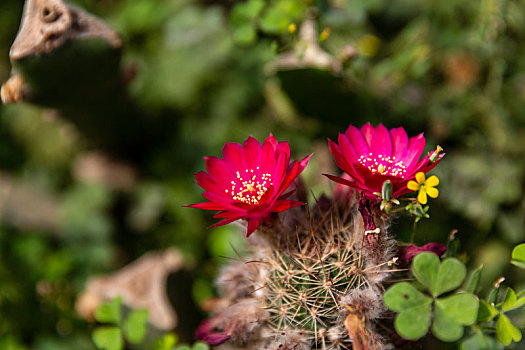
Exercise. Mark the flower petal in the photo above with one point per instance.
(268, 158)
(422, 196)
(208, 183)
(432, 192)
(224, 222)
(414, 151)
(347, 149)
(252, 153)
(432, 181)
(399, 142)
(283, 205)
(346, 182)
(367, 131)
(357, 140)
(205, 206)
(253, 223)
(424, 164)
(412, 185)
(218, 169)
(420, 177)
(381, 141)
(233, 154)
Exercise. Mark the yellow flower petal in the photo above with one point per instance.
(420, 177)
(422, 196)
(432, 192)
(432, 181)
(412, 185)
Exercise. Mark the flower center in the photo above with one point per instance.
(383, 165)
(250, 186)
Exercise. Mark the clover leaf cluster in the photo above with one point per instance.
(448, 313)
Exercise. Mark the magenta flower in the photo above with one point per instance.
(408, 253)
(371, 156)
(250, 182)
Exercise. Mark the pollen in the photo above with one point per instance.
(249, 186)
(383, 165)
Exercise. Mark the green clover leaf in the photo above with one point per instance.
(109, 312)
(452, 313)
(518, 256)
(166, 343)
(416, 310)
(480, 341)
(135, 326)
(511, 302)
(438, 277)
(486, 311)
(108, 338)
(506, 331)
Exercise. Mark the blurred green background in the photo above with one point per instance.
(216, 71)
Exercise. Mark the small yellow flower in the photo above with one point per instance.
(292, 28)
(424, 186)
(324, 34)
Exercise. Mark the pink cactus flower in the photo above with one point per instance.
(370, 156)
(250, 182)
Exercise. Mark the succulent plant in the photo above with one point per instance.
(313, 280)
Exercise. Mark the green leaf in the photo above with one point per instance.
(452, 313)
(243, 18)
(280, 14)
(108, 338)
(450, 275)
(245, 34)
(425, 268)
(166, 343)
(506, 331)
(486, 311)
(404, 295)
(480, 341)
(511, 302)
(462, 307)
(414, 307)
(518, 256)
(413, 323)
(135, 326)
(438, 277)
(445, 327)
(453, 246)
(472, 282)
(200, 346)
(244, 12)
(109, 312)
(493, 294)
(508, 300)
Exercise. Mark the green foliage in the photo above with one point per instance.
(244, 21)
(108, 338)
(506, 331)
(133, 328)
(196, 346)
(109, 312)
(449, 314)
(472, 282)
(480, 341)
(518, 256)
(165, 343)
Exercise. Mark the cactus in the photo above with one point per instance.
(313, 280)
